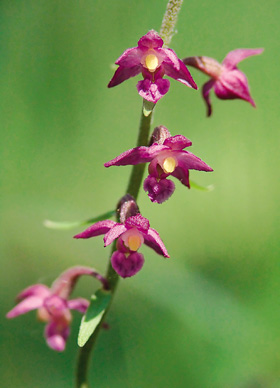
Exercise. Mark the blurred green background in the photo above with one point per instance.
(209, 316)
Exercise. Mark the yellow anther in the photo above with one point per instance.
(134, 242)
(169, 165)
(151, 62)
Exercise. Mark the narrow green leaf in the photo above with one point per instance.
(70, 225)
(98, 304)
(201, 188)
(148, 107)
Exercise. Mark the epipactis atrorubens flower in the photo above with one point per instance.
(53, 306)
(227, 80)
(154, 61)
(130, 235)
(167, 157)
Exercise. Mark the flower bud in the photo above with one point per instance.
(127, 207)
(159, 135)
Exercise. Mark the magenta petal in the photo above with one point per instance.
(28, 304)
(39, 290)
(139, 222)
(97, 229)
(136, 156)
(235, 56)
(114, 233)
(150, 40)
(233, 84)
(152, 240)
(56, 342)
(205, 93)
(189, 161)
(154, 170)
(153, 91)
(170, 58)
(124, 73)
(158, 191)
(182, 75)
(130, 58)
(79, 304)
(65, 283)
(183, 175)
(177, 142)
(127, 266)
(56, 336)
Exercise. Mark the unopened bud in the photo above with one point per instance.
(159, 135)
(127, 207)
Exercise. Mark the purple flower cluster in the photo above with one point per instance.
(53, 305)
(154, 61)
(166, 156)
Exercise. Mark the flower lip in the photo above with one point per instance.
(127, 266)
(158, 190)
(56, 335)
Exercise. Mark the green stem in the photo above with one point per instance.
(136, 176)
(138, 170)
(112, 277)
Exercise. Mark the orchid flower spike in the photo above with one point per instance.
(166, 157)
(53, 306)
(154, 61)
(130, 233)
(227, 80)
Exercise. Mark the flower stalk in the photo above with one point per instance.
(112, 277)
(169, 20)
(138, 170)
(166, 32)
